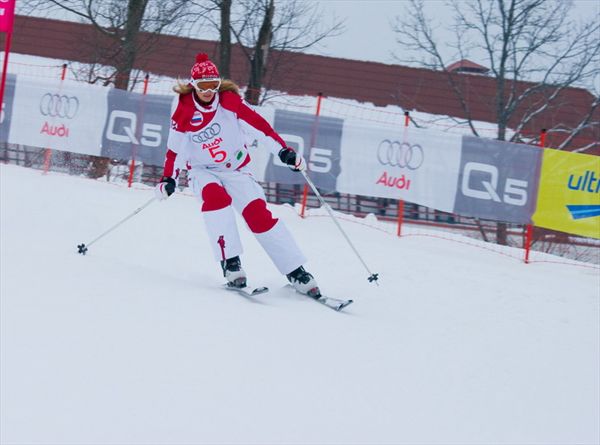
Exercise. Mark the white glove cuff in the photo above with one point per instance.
(300, 164)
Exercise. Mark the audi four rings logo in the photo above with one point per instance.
(206, 134)
(400, 154)
(59, 105)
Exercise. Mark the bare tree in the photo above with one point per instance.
(262, 29)
(125, 30)
(522, 41)
(266, 28)
(119, 25)
(216, 15)
(532, 48)
(258, 60)
(225, 38)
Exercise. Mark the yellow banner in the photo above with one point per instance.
(569, 193)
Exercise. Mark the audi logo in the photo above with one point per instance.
(59, 105)
(207, 133)
(400, 154)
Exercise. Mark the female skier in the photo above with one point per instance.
(208, 132)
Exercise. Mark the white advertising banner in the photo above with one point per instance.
(410, 164)
(60, 115)
(455, 174)
(418, 166)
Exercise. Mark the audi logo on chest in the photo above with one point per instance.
(59, 105)
(207, 133)
(400, 154)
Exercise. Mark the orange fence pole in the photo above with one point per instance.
(312, 142)
(47, 158)
(543, 138)
(528, 238)
(529, 228)
(48, 151)
(304, 199)
(401, 202)
(400, 216)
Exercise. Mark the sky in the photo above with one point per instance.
(369, 34)
(138, 343)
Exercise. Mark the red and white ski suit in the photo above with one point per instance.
(211, 141)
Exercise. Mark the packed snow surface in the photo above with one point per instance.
(137, 343)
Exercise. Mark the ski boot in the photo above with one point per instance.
(304, 283)
(233, 272)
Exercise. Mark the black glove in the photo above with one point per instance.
(165, 188)
(289, 157)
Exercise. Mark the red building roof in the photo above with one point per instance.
(466, 66)
(303, 74)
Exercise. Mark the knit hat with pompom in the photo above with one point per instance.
(204, 68)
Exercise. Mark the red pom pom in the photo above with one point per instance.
(201, 57)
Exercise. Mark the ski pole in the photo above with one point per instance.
(372, 276)
(83, 248)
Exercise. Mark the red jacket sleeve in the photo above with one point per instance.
(233, 102)
(169, 168)
(179, 121)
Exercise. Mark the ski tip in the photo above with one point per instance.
(344, 304)
(260, 290)
(246, 290)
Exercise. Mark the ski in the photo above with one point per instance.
(333, 303)
(247, 291)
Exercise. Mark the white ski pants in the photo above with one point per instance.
(219, 191)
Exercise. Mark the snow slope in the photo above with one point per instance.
(136, 342)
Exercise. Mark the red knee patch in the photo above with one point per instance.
(258, 217)
(215, 197)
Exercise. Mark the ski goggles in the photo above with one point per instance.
(206, 85)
